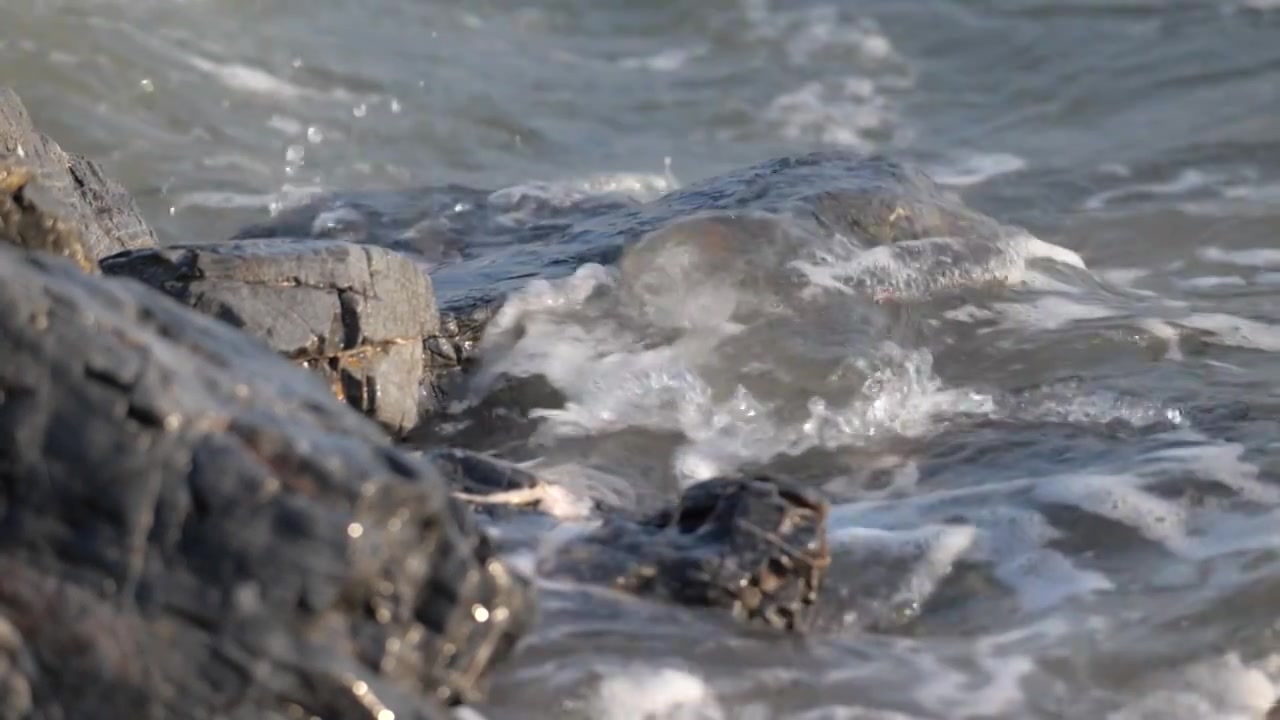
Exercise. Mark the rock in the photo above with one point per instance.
(70, 187)
(495, 239)
(193, 527)
(23, 222)
(357, 315)
(754, 546)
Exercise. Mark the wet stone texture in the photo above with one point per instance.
(67, 186)
(754, 546)
(23, 222)
(359, 316)
(194, 527)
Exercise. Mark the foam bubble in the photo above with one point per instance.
(645, 693)
(1224, 688)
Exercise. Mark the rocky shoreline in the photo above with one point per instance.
(206, 510)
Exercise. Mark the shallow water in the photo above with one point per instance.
(1056, 491)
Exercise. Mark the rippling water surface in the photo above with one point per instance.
(1052, 453)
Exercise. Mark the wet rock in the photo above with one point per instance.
(357, 315)
(67, 186)
(23, 222)
(751, 220)
(193, 527)
(754, 546)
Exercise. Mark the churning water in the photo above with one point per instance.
(1052, 450)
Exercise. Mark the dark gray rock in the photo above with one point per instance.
(193, 527)
(71, 187)
(358, 315)
(754, 546)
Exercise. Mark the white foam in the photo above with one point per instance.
(931, 551)
(1050, 312)
(637, 186)
(1114, 497)
(918, 268)
(1122, 276)
(1249, 257)
(1186, 181)
(246, 78)
(1266, 194)
(969, 314)
(845, 712)
(1014, 541)
(614, 377)
(668, 60)
(1208, 282)
(805, 33)
(996, 691)
(1236, 331)
(646, 693)
(288, 195)
(1223, 688)
(843, 112)
(975, 168)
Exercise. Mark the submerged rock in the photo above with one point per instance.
(754, 546)
(194, 527)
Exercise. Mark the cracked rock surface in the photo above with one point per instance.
(357, 315)
(193, 527)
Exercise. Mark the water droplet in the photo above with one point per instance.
(385, 714)
(395, 105)
(147, 85)
(359, 687)
(315, 135)
(296, 62)
(355, 530)
(295, 154)
(480, 613)
(360, 110)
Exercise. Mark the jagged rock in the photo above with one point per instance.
(69, 187)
